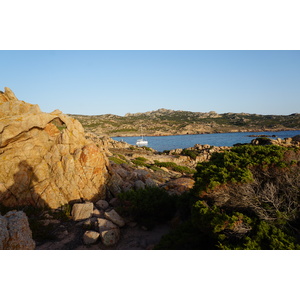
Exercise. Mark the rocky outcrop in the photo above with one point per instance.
(15, 233)
(179, 185)
(286, 142)
(106, 142)
(45, 158)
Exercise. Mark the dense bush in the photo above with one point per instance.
(186, 237)
(263, 236)
(235, 165)
(173, 166)
(148, 206)
(246, 198)
(191, 153)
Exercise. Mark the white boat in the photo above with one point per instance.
(141, 142)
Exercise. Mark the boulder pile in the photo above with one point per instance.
(101, 221)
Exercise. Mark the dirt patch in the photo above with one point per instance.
(68, 236)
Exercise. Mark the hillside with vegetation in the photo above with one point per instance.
(244, 198)
(171, 122)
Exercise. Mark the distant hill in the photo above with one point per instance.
(175, 122)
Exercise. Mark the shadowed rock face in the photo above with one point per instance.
(45, 158)
(15, 233)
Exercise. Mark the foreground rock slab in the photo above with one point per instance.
(114, 217)
(82, 211)
(104, 225)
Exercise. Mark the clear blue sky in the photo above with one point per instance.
(118, 82)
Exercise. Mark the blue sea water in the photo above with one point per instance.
(161, 143)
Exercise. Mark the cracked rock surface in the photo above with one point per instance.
(45, 158)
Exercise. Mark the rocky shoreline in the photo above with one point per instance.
(209, 132)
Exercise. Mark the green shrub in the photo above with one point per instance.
(234, 166)
(173, 166)
(264, 236)
(140, 161)
(154, 168)
(186, 237)
(146, 148)
(117, 160)
(261, 210)
(148, 206)
(143, 159)
(122, 157)
(191, 153)
(183, 169)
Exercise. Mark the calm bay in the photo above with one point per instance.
(161, 143)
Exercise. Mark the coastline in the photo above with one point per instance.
(214, 132)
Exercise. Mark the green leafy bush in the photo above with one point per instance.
(234, 166)
(264, 236)
(191, 153)
(259, 188)
(148, 206)
(122, 157)
(140, 161)
(186, 237)
(173, 166)
(117, 160)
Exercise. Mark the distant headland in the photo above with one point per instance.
(163, 122)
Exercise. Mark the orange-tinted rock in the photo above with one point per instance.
(45, 159)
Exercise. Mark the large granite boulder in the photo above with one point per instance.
(45, 158)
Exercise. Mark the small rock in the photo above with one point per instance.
(139, 184)
(97, 213)
(110, 237)
(88, 224)
(150, 182)
(81, 211)
(48, 222)
(90, 237)
(104, 225)
(47, 216)
(102, 204)
(114, 202)
(114, 217)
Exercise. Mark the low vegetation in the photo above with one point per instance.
(149, 206)
(117, 160)
(173, 166)
(246, 198)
